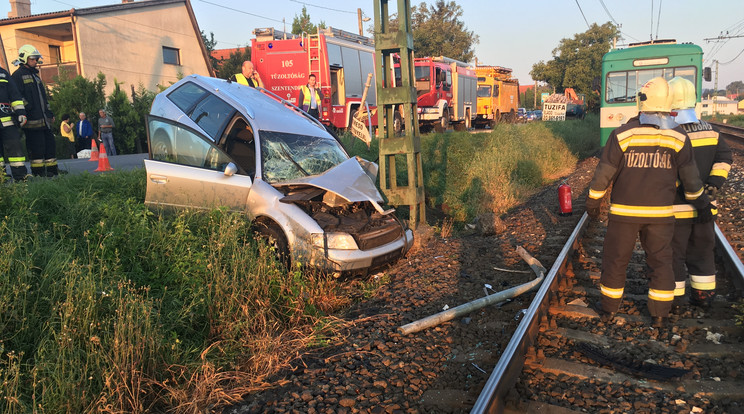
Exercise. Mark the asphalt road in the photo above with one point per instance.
(117, 162)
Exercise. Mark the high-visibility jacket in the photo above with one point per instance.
(38, 110)
(11, 99)
(713, 158)
(241, 79)
(642, 163)
(305, 97)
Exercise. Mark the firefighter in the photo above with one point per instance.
(248, 76)
(641, 161)
(11, 111)
(311, 97)
(694, 232)
(39, 138)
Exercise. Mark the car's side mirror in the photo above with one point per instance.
(231, 169)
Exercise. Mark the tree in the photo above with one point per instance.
(577, 62)
(438, 31)
(126, 120)
(735, 87)
(210, 44)
(233, 64)
(302, 24)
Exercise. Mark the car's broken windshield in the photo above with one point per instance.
(291, 156)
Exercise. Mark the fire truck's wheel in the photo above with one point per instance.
(443, 123)
(274, 237)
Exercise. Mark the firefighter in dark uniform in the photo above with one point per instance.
(641, 161)
(11, 111)
(39, 137)
(694, 232)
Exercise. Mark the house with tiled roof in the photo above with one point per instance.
(149, 42)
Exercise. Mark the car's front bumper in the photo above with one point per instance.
(335, 260)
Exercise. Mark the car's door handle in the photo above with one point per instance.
(159, 179)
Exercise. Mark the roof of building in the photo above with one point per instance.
(221, 54)
(88, 11)
(721, 101)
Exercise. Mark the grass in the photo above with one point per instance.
(106, 306)
(469, 174)
(110, 307)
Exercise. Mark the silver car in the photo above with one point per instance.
(218, 143)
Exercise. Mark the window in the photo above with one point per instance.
(173, 143)
(55, 54)
(623, 86)
(171, 56)
(208, 111)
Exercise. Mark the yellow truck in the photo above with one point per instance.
(498, 96)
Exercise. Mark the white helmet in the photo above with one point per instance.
(654, 96)
(684, 99)
(683, 93)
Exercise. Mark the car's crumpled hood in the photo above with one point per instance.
(348, 180)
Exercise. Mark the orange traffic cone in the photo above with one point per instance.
(103, 162)
(93, 150)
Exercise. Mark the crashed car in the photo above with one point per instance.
(216, 143)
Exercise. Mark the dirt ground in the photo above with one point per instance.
(374, 368)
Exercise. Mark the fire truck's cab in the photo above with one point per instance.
(446, 91)
(339, 60)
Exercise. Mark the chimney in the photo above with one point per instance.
(19, 8)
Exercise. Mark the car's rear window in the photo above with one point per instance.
(187, 95)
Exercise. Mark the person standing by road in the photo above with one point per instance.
(84, 131)
(12, 110)
(694, 230)
(248, 76)
(39, 137)
(642, 161)
(311, 97)
(106, 132)
(66, 130)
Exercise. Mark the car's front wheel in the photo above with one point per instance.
(276, 240)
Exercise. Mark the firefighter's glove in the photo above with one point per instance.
(705, 215)
(22, 120)
(712, 191)
(592, 208)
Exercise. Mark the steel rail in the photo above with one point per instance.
(735, 266)
(507, 370)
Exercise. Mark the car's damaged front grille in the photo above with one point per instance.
(379, 236)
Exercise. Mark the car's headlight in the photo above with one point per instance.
(338, 241)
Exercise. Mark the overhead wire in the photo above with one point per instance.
(323, 7)
(582, 14)
(242, 11)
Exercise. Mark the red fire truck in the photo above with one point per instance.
(340, 60)
(447, 92)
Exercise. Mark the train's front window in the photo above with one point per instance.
(623, 86)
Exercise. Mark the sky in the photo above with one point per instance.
(512, 34)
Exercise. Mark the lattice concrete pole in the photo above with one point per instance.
(393, 94)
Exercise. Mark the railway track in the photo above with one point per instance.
(563, 359)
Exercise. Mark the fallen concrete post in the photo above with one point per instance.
(466, 308)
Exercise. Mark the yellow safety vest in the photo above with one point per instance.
(241, 79)
(306, 98)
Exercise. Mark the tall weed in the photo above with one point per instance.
(107, 306)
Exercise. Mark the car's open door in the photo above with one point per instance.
(186, 170)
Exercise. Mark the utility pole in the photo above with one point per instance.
(534, 104)
(715, 93)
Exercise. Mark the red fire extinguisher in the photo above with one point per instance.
(564, 199)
